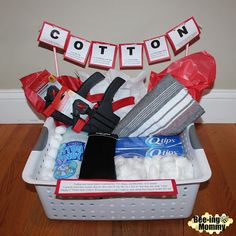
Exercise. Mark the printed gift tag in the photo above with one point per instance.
(157, 49)
(81, 187)
(103, 55)
(183, 34)
(53, 35)
(131, 55)
(77, 50)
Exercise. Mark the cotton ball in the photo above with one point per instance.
(119, 161)
(147, 163)
(52, 152)
(46, 174)
(138, 166)
(152, 167)
(123, 168)
(50, 174)
(168, 169)
(129, 169)
(138, 159)
(130, 161)
(60, 130)
(181, 162)
(54, 143)
(132, 169)
(118, 172)
(156, 162)
(135, 174)
(48, 162)
(58, 137)
(186, 168)
(143, 173)
(153, 173)
(137, 162)
(167, 159)
(168, 172)
(123, 172)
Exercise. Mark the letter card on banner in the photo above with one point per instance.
(77, 50)
(131, 55)
(53, 35)
(157, 49)
(183, 34)
(103, 55)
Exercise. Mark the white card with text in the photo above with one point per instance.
(157, 49)
(53, 35)
(77, 50)
(131, 55)
(183, 34)
(103, 55)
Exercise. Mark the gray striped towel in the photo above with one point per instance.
(166, 110)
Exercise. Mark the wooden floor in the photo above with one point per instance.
(21, 212)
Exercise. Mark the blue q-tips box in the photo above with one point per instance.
(149, 146)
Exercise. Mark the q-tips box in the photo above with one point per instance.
(149, 146)
(118, 207)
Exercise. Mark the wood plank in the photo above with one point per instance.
(15, 200)
(217, 196)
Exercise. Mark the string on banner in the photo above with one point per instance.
(56, 61)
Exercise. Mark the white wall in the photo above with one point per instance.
(115, 22)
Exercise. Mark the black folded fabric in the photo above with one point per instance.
(98, 159)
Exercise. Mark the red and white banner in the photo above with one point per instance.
(131, 55)
(103, 55)
(157, 49)
(183, 34)
(77, 50)
(53, 35)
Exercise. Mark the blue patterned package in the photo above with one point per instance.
(66, 170)
(70, 151)
(149, 146)
(70, 154)
(146, 142)
(142, 152)
(69, 159)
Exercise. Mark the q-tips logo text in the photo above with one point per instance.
(161, 142)
(159, 152)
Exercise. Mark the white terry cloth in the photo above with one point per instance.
(134, 86)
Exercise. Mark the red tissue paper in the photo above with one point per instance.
(196, 72)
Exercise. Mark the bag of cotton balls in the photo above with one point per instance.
(156, 167)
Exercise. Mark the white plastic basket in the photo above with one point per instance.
(117, 208)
